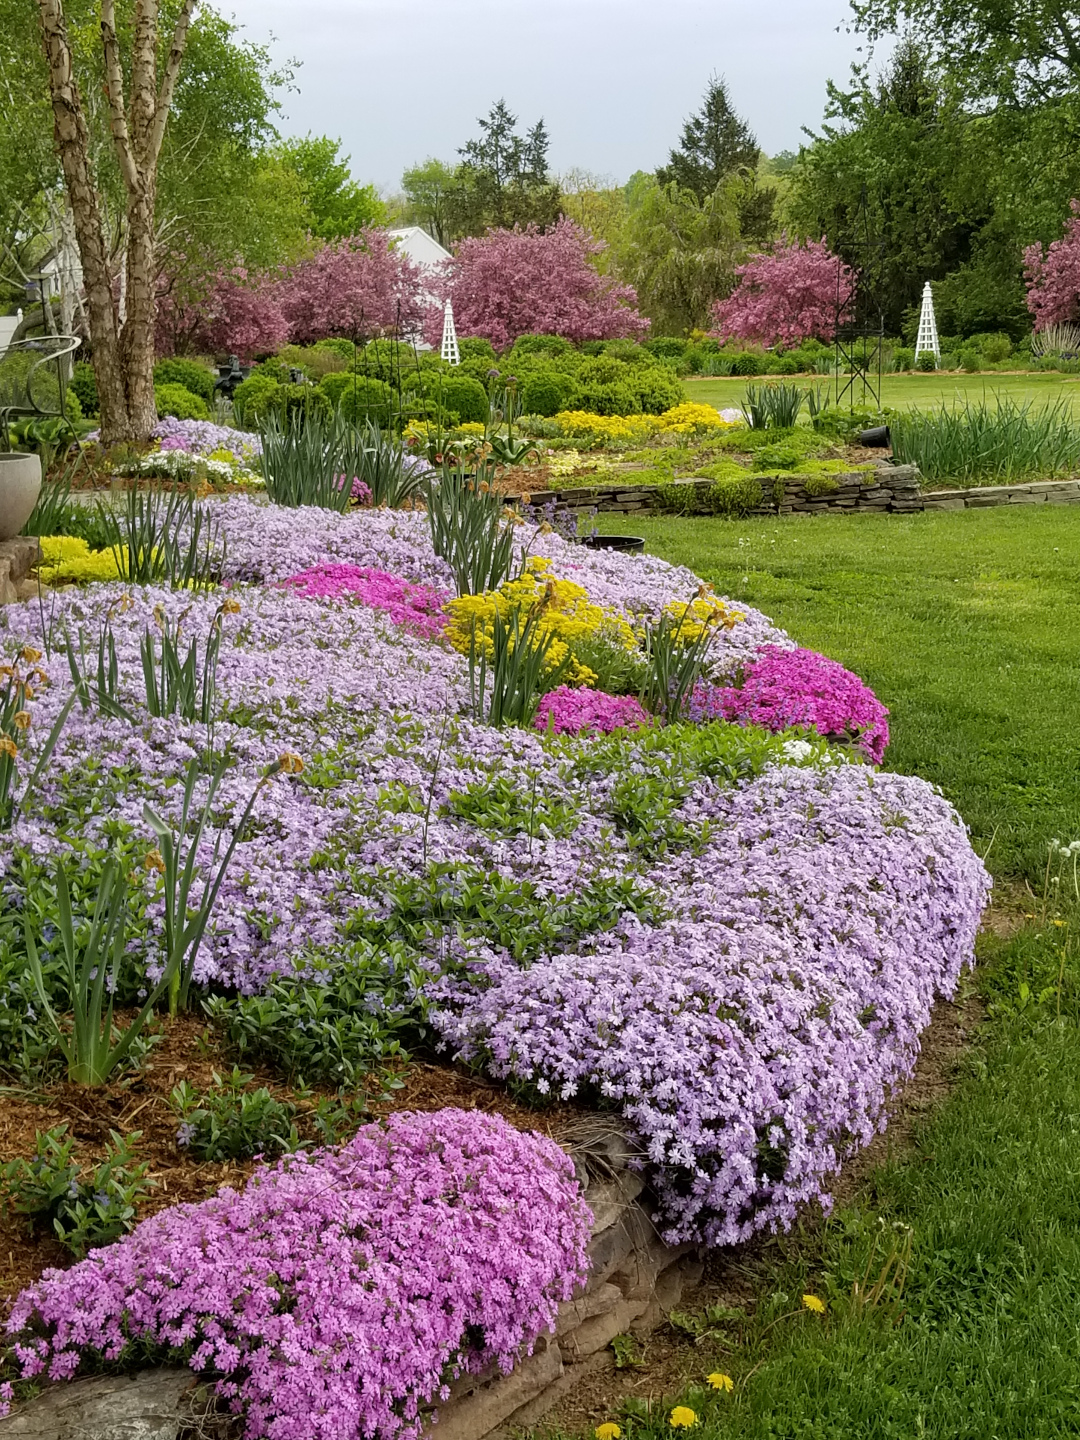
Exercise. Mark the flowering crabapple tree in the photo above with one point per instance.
(239, 315)
(787, 296)
(1053, 279)
(353, 286)
(531, 282)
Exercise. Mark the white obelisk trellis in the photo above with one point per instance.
(928, 336)
(449, 352)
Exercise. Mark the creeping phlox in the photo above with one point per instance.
(340, 1292)
(565, 610)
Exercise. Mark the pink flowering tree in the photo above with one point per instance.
(1053, 278)
(531, 282)
(787, 296)
(239, 314)
(355, 286)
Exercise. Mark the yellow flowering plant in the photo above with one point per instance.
(584, 425)
(690, 418)
(682, 1418)
(565, 613)
(68, 558)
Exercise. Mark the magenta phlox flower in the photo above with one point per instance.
(338, 1293)
(571, 710)
(419, 608)
(782, 689)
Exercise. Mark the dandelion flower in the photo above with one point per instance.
(608, 1431)
(721, 1382)
(682, 1418)
(813, 1304)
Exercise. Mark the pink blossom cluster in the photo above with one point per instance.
(786, 296)
(419, 608)
(340, 1291)
(535, 282)
(574, 711)
(1053, 279)
(785, 688)
(360, 490)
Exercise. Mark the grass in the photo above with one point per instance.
(906, 392)
(964, 624)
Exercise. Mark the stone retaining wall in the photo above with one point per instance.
(892, 488)
(17, 558)
(634, 1281)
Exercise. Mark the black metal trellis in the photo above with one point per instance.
(859, 322)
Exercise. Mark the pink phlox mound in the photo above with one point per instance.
(419, 608)
(784, 688)
(570, 711)
(339, 1291)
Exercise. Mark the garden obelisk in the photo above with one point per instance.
(928, 336)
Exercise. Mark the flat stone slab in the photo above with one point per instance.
(153, 1405)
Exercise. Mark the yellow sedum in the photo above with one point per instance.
(67, 559)
(691, 416)
(566, 613)
(585, 425)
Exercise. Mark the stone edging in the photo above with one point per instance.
(892, 488)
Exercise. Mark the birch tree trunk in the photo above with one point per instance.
(123, 345)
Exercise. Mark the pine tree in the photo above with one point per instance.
(716, 142)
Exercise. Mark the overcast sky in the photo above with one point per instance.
(399, 80)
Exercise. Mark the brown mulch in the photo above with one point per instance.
(187, 1049)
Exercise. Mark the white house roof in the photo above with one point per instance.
(418, 245)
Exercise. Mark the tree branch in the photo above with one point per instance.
(114, 91)
(172, 71)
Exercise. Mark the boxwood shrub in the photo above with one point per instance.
(199, 379)
(177, 401)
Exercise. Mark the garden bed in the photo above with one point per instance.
(727, 931)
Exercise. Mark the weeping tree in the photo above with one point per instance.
(121, 316)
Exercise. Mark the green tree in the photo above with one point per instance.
(338, 207)
(715, 143)
(503, 178)
(1020, 51)
(427, 189)
(679, 252)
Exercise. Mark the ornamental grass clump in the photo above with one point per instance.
(164, 537)
(338, 1295)
(470, 528)
(998, 443)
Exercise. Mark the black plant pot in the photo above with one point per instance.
(625, 544)
(876, 439)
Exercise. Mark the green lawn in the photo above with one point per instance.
(907, 391)
(967, 625)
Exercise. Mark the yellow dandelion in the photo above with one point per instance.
(813, 1304)
(721, 1382)
(682, 1418)
(21, 720)
(608, 1431)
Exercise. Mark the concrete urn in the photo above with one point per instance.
(20, 485)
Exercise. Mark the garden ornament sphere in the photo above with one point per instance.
(20, 486)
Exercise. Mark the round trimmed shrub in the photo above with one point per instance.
(337, 345)
(748, 363)
(656, 388)
(254, 398)
(667, 347)
(545, 345)
(926, 360)
(546, 392)
(605, 387)
(188, 373)
(179, 402)
(458, 395)
(476, 347)
(303, 401)
(84, 387)
(369, 399)
(786, 365)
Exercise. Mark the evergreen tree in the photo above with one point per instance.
(503, 178)
(716, 142)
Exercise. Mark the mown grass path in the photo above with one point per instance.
(904, 392)
(968, 626)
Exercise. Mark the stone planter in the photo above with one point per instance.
(20, 485)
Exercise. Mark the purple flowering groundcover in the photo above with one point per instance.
(728, 931)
